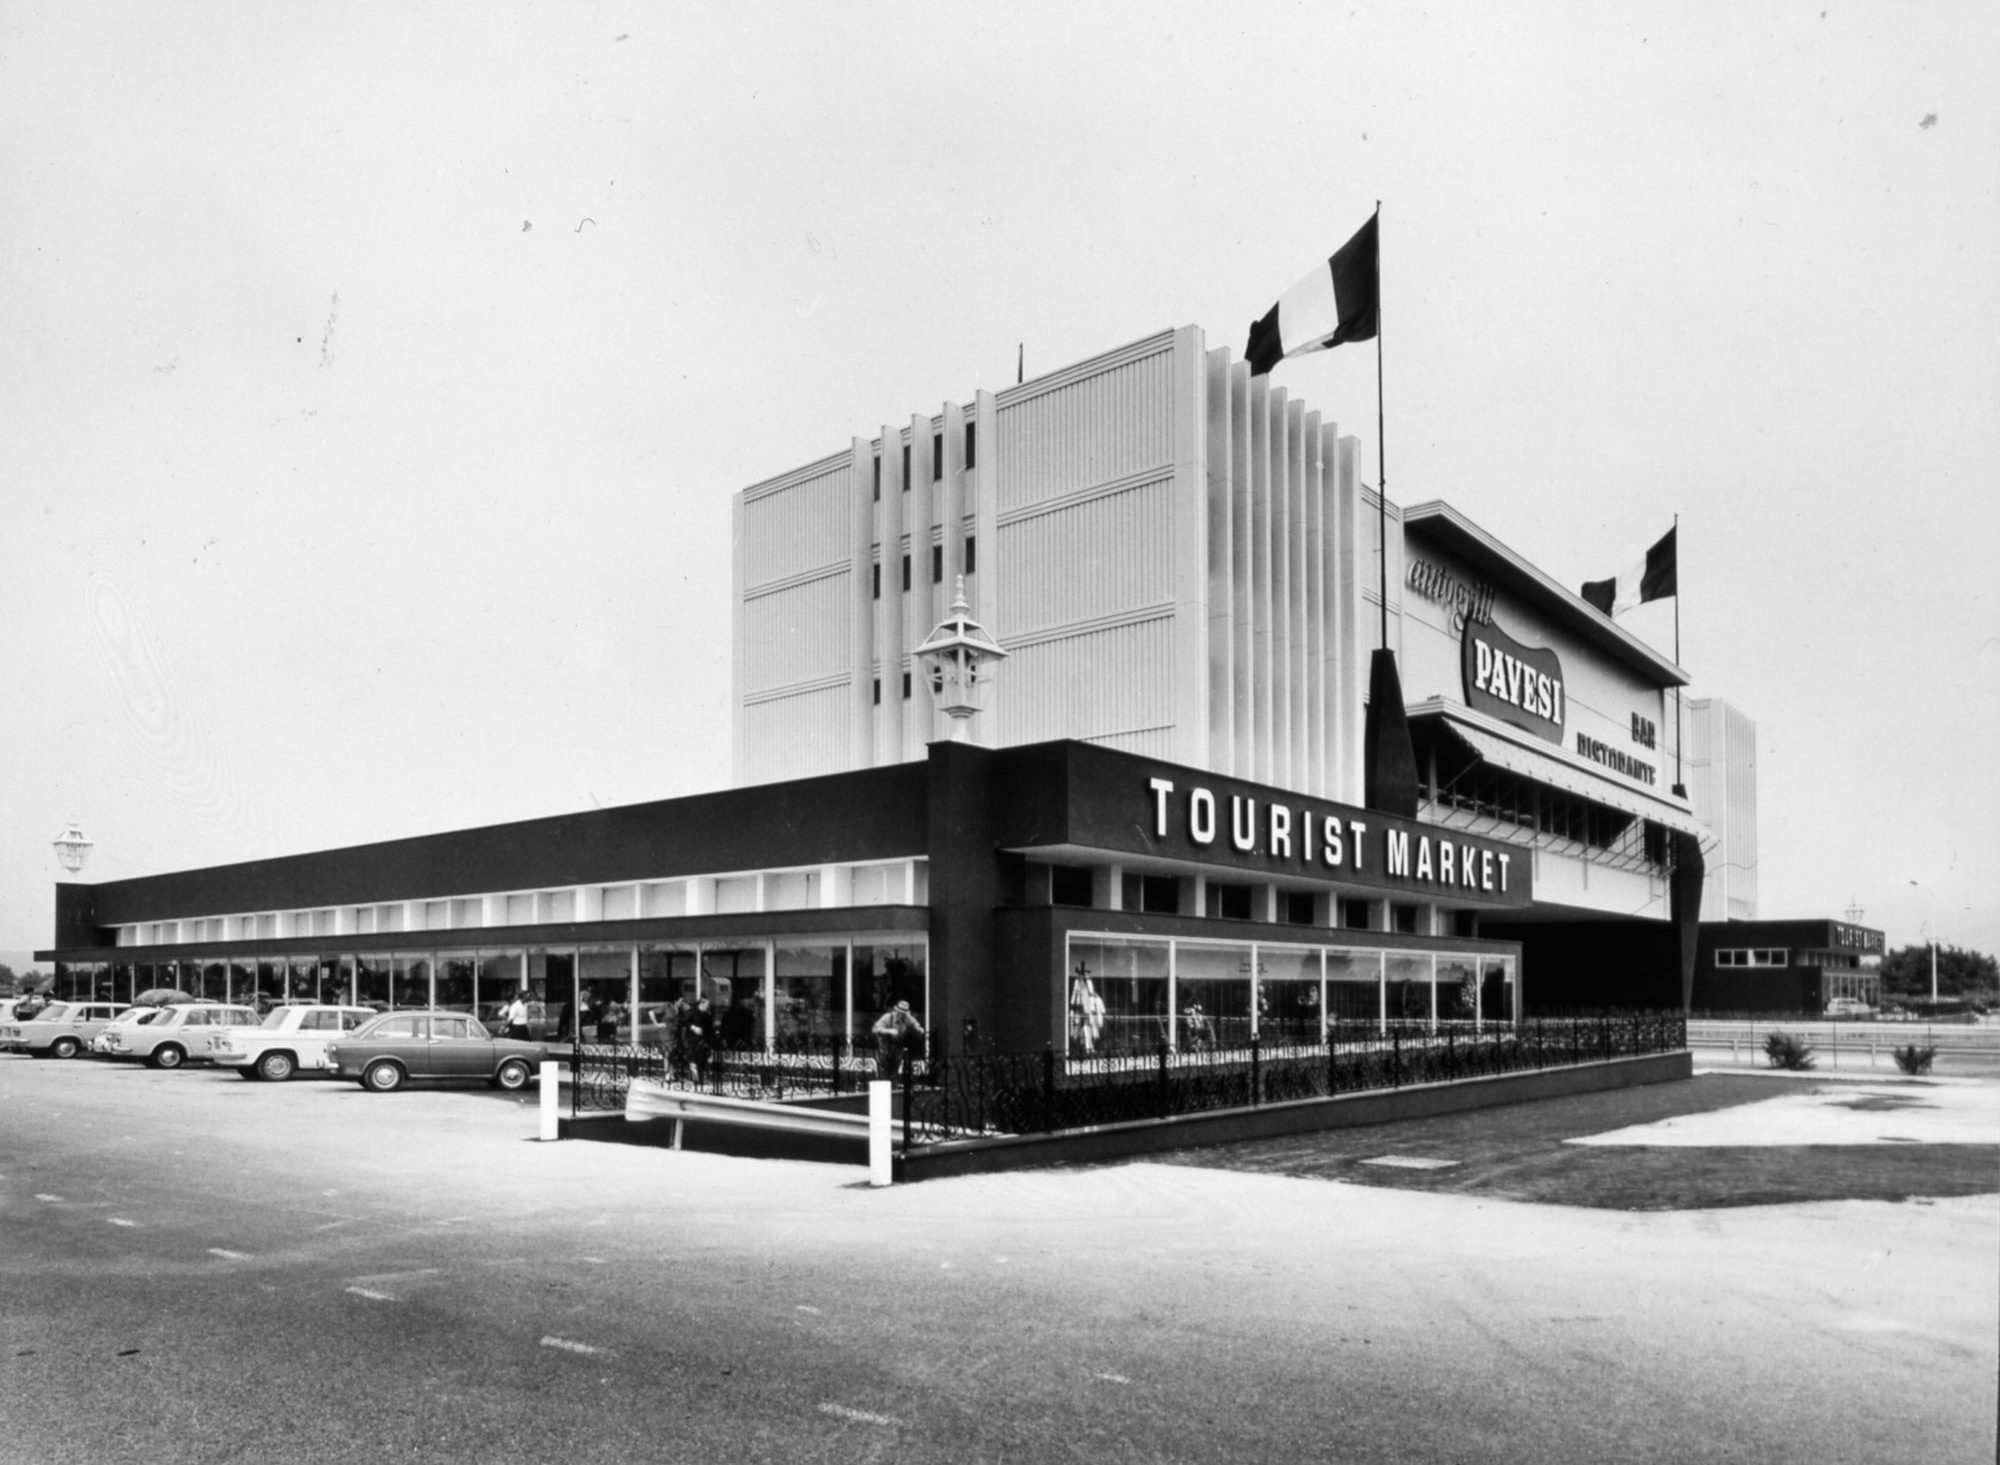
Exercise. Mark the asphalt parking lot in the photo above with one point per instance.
(201, 1269)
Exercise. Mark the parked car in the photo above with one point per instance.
(178, 1035)
(291, 1039)
(1848, 1007)
(60, 1030)
(131, 1017)
(397, 1047)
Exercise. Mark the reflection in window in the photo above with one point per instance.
(1288, 994)
(1211, 995)
(1117, 995)
(1407, 992)
(809, 993)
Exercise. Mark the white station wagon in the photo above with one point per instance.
(178, 1035)
(290, 1040)
(60, 1030)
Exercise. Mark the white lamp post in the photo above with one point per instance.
(959, 660)
(72, 847)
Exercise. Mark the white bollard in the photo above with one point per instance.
(551, 1101)
(880, 1096)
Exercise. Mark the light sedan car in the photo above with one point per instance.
(60, 1030)
(398, 1047)
(178, 1035)
(132, 1017)
(291, 1039)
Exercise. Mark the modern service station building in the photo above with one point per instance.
(1161, 808)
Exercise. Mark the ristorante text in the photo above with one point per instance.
(1323, 841)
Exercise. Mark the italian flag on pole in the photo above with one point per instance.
(1653, 578)
(1337, 303)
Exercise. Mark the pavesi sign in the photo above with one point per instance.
(1521, 685)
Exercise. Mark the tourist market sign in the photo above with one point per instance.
(1125, 804)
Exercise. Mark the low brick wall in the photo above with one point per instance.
(1377, 1106)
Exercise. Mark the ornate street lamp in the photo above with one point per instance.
(72, 847)
(959, 660)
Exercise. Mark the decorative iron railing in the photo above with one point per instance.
(967, 1096)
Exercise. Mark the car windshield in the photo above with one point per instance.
(54, 1012)
(275, 1018)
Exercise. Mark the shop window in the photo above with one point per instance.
(1069, 885)
(1117, 995)
(1296, 907)
(1229, 902)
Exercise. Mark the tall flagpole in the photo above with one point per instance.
(1680, 728)
(1381, 447)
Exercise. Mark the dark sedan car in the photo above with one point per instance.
(388, 1051)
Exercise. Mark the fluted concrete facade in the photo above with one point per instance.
(1168, 548)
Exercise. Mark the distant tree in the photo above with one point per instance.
(7, 980)
(1906, 972)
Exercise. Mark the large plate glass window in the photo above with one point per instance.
(1457, 988)
(809, 994)
(1289, 1000)
(884, 976)
(606, 990)
(1211, 995)
(1117, 995)
(1407, 992)
(1354, 986)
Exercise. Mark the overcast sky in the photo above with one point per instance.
(374, 379)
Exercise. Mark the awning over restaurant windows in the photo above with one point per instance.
(1572, 777)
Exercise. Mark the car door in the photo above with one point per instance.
(456, 1052)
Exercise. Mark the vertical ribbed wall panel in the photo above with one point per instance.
(985, 512)
(796, 634)
(1242, 559)
(889, 616)
(1090, 430)
(800, 527)
(1313, 478)
(1263, 765)
(1221, 556)
(1299, 599)
(1281, 589)
(796, 736)
(1187, 703)
(861, 604)
(1098, 557)
(1089, 685)
(920, 608)
(1344, 657)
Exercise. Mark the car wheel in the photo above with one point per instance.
(168, 1055)
(383, 1077)
(512, 1075)
(65, 1048)
(277, 1067)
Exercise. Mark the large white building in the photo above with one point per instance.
(1183, 562)
(1722, 781)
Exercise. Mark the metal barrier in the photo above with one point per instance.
(647, 1099)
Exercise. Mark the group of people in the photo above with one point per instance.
(690, 1031)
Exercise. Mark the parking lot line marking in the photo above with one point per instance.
(1114, 1378)
(569, 1346)
(120, 1221)
(53, 1199)
(371, 1296)
(229, 1256)
(1410, 1162)
(863, 1416)
(813, 1310)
